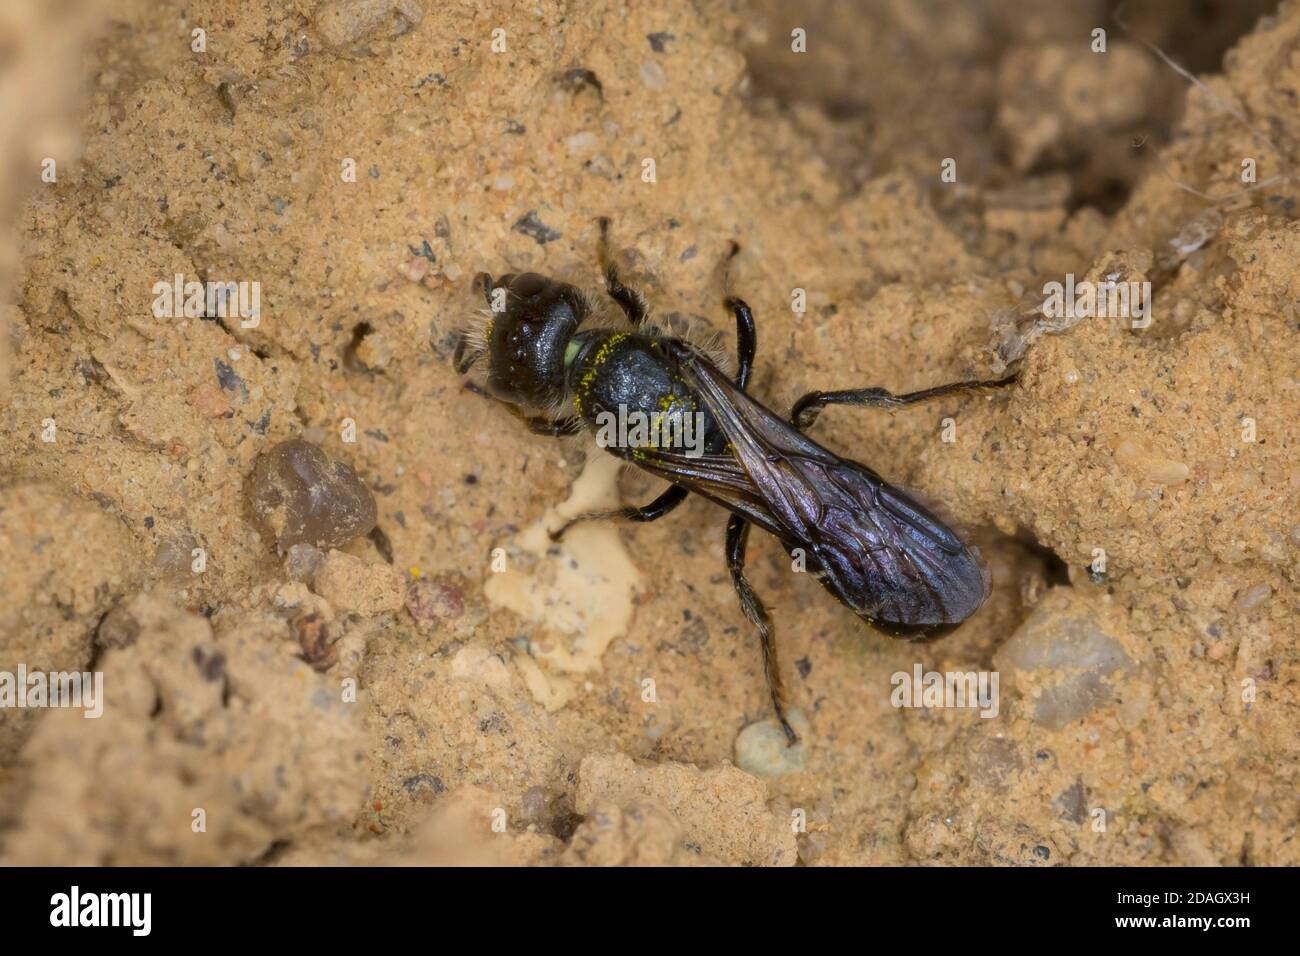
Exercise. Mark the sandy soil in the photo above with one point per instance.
(448, 688)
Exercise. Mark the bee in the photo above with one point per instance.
(876, 548)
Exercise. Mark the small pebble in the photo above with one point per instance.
(1065, 658)
(653, 76)
(302, 561)
(305, 497)
(174, 555)
(534, 804)
(316, 640)
(415, 268)
(762, 749)
(374, 351)
(210, 401)
(530, 225)
(582, 143)
(434, 602)
(353, 586)
(1253, 596)
(1143, 463)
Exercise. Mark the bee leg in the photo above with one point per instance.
(746, 339)
(462, 362)
(738, 528)
(655, 510)
(806, 410)
(537, 424)
(459, 360)
(628, 300)
(737, 536)
(555, 427)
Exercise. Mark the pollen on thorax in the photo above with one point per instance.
(603, 353)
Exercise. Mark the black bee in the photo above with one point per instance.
(876, 548)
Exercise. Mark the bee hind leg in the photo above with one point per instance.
(738, 527)
(737, 537)
(806, 410)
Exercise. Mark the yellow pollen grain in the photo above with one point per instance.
(602, 354)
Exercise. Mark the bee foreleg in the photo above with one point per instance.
(483, 283)
(628, 300)
(465, 356)
(554, 427)
(537, 424)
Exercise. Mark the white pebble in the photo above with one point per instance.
(761, 748)
(652, 75)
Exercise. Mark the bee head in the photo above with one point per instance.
(532, 320)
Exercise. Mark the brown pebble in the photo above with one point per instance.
(174, 556)
(305, 497)
(436, 600)
(209, 401)
(119, 628)
(315, 640)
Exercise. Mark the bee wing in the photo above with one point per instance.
(881, 551)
